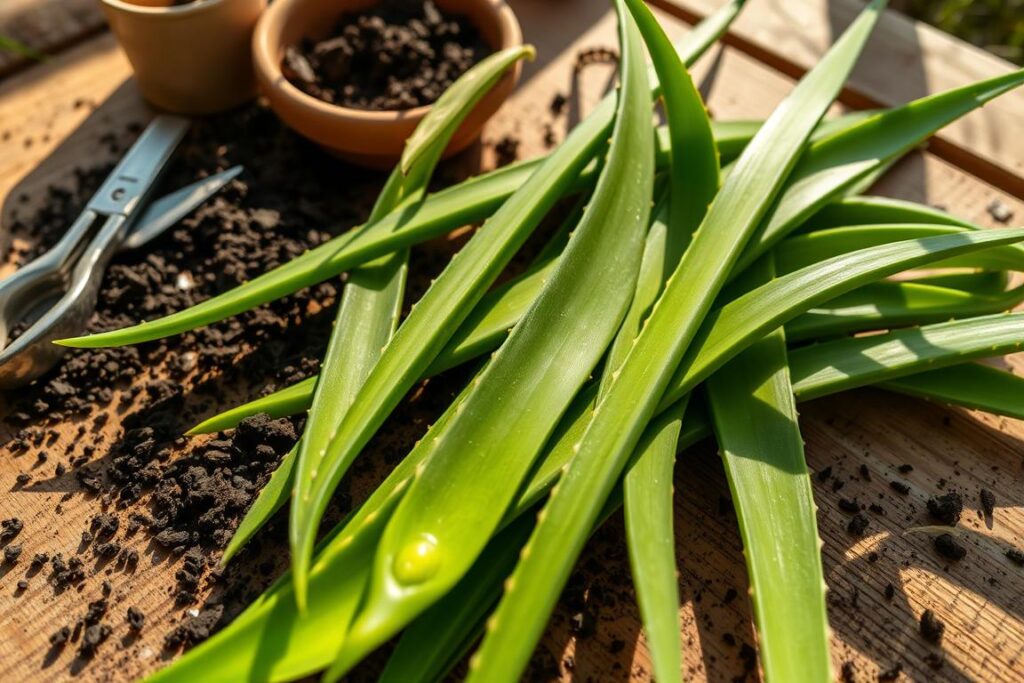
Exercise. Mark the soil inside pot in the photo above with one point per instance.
(397, 55)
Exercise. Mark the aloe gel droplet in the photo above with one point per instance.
(417, 561)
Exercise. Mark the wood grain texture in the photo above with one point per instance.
(904, 60)
(46, 26)
(978, 598)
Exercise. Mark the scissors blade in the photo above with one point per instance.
(169, 209)
(135, 175)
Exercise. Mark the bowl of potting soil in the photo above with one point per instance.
(357, 76)
(189, 56)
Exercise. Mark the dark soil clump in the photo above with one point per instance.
(931, 628)
(947, 508)
(395, 55)
(949, 547)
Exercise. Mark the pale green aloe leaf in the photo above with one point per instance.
(856, 361)
(451, 107)
(693, 183)
(749, 317)
(468, 202)
(372, 298)
(283, 402)
(755, 421)
(885, 305)
(969, 385)
(516, 402)
(633, 396)
(845, 159)
(866, 210)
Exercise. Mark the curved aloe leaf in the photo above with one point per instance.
(693, 183)
(865, 210)
(516, 402)
(885, 305)
(755, 421)
(866, 360)
(282, 403)
(846, 158)
(372, 298)
(969, 385)
(747, 318)
(633, 396)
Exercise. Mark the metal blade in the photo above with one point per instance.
(168, 210)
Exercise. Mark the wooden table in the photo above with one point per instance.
(51, 113)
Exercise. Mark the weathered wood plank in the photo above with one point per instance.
(904, 60)
(984, 622)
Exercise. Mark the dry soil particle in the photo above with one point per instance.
(858, 525)
(931, 628)
(136, 619)
(988, 502)
(949, 547)
(947, 508)
(395, 55)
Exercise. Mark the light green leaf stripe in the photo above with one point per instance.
(515, 404)
(755, 421)
(632, 399)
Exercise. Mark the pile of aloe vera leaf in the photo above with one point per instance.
(711, 275)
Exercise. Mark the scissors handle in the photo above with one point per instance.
(33, 353)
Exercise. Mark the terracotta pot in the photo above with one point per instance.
(188, 59)
(369, 138)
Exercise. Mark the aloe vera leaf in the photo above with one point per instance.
(885, 305)
(372, 299)
(437, 638)
(693, 183)
(468, 202)
(632, 398)
(647, 487)
(870, 359)
(969, 385)
(803, 250)
(528, 384)
(847, 157)
(865, 210)
(755, 421)
(731, 327)
(284, 402)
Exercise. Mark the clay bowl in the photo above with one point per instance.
(368, 138)
(188, 59)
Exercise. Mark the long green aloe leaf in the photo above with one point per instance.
(372, 298)
(468, 202)
(693, 183)
(755, 420)
(749, 317)
(631, 400)
(844, 159)
(969, 385)
(515, 404)
(865, 210)
(866, 360)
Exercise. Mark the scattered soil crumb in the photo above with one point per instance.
(999, 211)
(949, 547)
(947, 508)
(931, 628)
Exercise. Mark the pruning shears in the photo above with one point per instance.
(55, 295)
